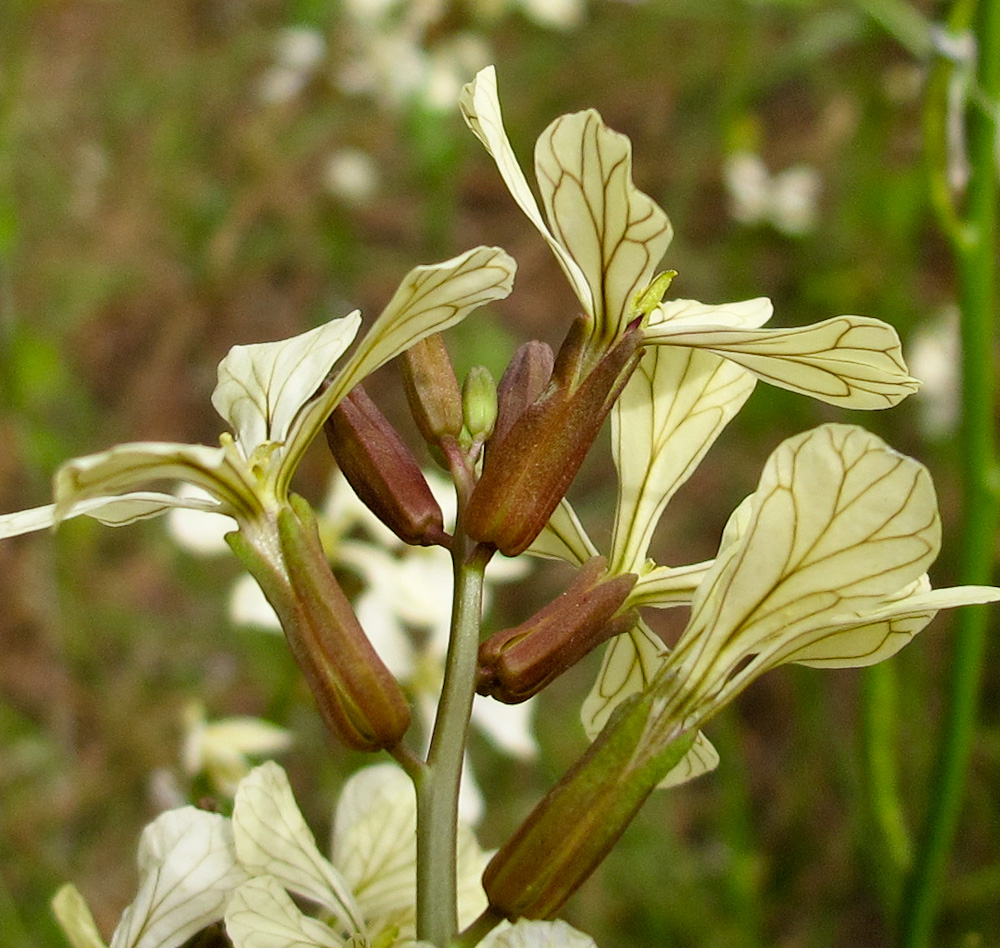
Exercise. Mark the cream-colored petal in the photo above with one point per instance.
(508, 726)
(879, 634)
(272, 839)
(374, 845)
(671, 411)
(430, 299)
(664, 587)
(848, 361)
(630, 661)
(127, 466)
(187, 874)
(745, 314)
(261, 915)
(525, 933)
(75, 918)
(263, 387)
(838, 524)
(564, 538)
(480, 104)
(113, 511)
(615, 233)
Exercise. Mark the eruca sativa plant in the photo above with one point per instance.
(824, 564)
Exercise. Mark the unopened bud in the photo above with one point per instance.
(519, 662)
(383, 471)
(526, 474)
(358, 699)
(527, 375)
(432, 390)
(577, 823)
(479, 402)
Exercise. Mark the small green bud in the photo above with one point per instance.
(517, 663)
(479, 403)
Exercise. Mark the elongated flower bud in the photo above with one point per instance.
(382, 470)
(526, 474)
(525, 378)
(578, 822)
(432, 390)
(358, 698)
(517, 663)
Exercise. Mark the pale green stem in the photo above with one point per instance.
(975, 248)
(880, 734)
(438, 784)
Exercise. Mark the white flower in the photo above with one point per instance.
(935, 354)
(350, 175)
(222, 749)
(187, 873)
(787, 200)
(608, 237)
(298, 52)
(270, 394)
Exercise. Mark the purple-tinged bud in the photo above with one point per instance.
(359, 700)
(526, 474)
(517, 663)
(479, 403)
(383, 471)
(576, 824)
(432, 390)
(527, 375)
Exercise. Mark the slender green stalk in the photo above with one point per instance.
(437, 786)
(975, 249)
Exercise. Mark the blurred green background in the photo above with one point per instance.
(177, 176)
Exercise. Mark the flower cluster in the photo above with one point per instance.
(824, 564)
(198, 868)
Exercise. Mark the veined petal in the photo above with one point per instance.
(112, 511)
(849, 361)
(868, 638)
(480, 106)
(272, 839)
(262, 915)
(107, 474)
(525, 933)
(374, 845)
(630, 662)
(75, 918)
(663, 587)
(430, 299)
(615, 233)
(187, 873)
(838, 524)
(745, 314)
(564, 538)
(670, 413)
(263, 387)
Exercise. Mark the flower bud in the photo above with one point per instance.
(526, 474)
(382, 470)
(519, 662)
(432, 390)
(578, 822)
(479, 403)
(523, 382)
(358, 698)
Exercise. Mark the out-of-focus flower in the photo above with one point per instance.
(298, 53)
(221, 749)
(935, 353)
(350, 175)
(788, 200)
